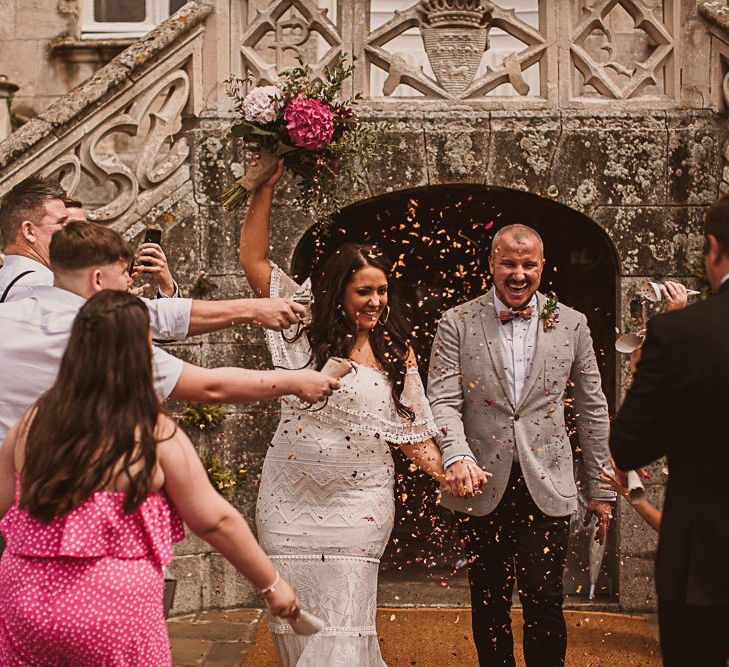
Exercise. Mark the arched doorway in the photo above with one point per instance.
(440, 237)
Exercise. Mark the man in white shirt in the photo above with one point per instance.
(88, 258)
(151, 260)
(29, 215)
(35, 209)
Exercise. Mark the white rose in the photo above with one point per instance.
(262, 104)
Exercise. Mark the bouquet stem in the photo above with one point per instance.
(256, 175)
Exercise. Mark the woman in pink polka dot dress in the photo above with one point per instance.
(94, 484)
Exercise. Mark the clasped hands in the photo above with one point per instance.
(464, 479)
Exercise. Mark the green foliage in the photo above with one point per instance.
(224, 480)
(203, 417)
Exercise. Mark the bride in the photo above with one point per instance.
(325, 506)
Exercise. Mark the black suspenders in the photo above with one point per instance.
(12, 283)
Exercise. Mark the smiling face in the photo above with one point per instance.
(516, 263)
(365, 297)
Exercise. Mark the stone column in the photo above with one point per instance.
(6, 90)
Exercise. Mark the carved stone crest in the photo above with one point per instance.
(455, 34)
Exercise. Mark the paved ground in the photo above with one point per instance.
(223, 638)
(213, 638)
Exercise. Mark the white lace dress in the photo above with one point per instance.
(326, 507)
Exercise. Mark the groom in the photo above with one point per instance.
(499, 369)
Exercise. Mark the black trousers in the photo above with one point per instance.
(693, 635)
(517, 540)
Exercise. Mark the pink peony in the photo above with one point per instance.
(310, 123)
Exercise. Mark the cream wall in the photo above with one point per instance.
(27, 30)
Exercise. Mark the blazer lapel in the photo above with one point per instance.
(540, 352)
(490, 323)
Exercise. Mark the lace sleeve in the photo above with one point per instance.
(413, 396)
(283, 353)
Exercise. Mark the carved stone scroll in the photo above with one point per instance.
(153, 119)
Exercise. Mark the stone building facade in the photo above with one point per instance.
(601, 122)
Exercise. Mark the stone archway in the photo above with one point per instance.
(440, 236)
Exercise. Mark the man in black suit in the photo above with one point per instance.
(678, 407)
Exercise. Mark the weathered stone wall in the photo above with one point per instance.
(644, 169)
(646, 179)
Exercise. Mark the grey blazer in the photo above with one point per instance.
(471, 403)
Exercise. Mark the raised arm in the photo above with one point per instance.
(240, 385)
(255, 238)
(216, 521)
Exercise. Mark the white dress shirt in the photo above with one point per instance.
(518, 340)
(13, 266)
(35, 332)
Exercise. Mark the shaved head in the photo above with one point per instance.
(519, 234)
(516, 263)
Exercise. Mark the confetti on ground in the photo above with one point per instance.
(425, 638)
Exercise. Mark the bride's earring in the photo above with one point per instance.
(387, 315)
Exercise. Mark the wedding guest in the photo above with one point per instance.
(29, 216)
(87, 258)
(499, 372)
(326, 502)
(675, 296)
(676, 408)
(150, 259)
(94, 482)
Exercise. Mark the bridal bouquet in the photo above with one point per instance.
(308, 124)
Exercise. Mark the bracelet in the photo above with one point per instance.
(272, 587)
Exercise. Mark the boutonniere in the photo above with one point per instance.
(550, 314)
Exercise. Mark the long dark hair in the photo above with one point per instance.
(332, 334)
(100, 416)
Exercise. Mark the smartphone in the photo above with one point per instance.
(153, 236)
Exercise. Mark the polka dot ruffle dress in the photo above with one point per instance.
(86, 589)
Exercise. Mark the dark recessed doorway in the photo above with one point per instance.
(440, 237)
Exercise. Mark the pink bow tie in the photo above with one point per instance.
(508, 315)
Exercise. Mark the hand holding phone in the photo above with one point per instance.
(152, 262)
(152, 235)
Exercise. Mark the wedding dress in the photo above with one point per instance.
(325, 505)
